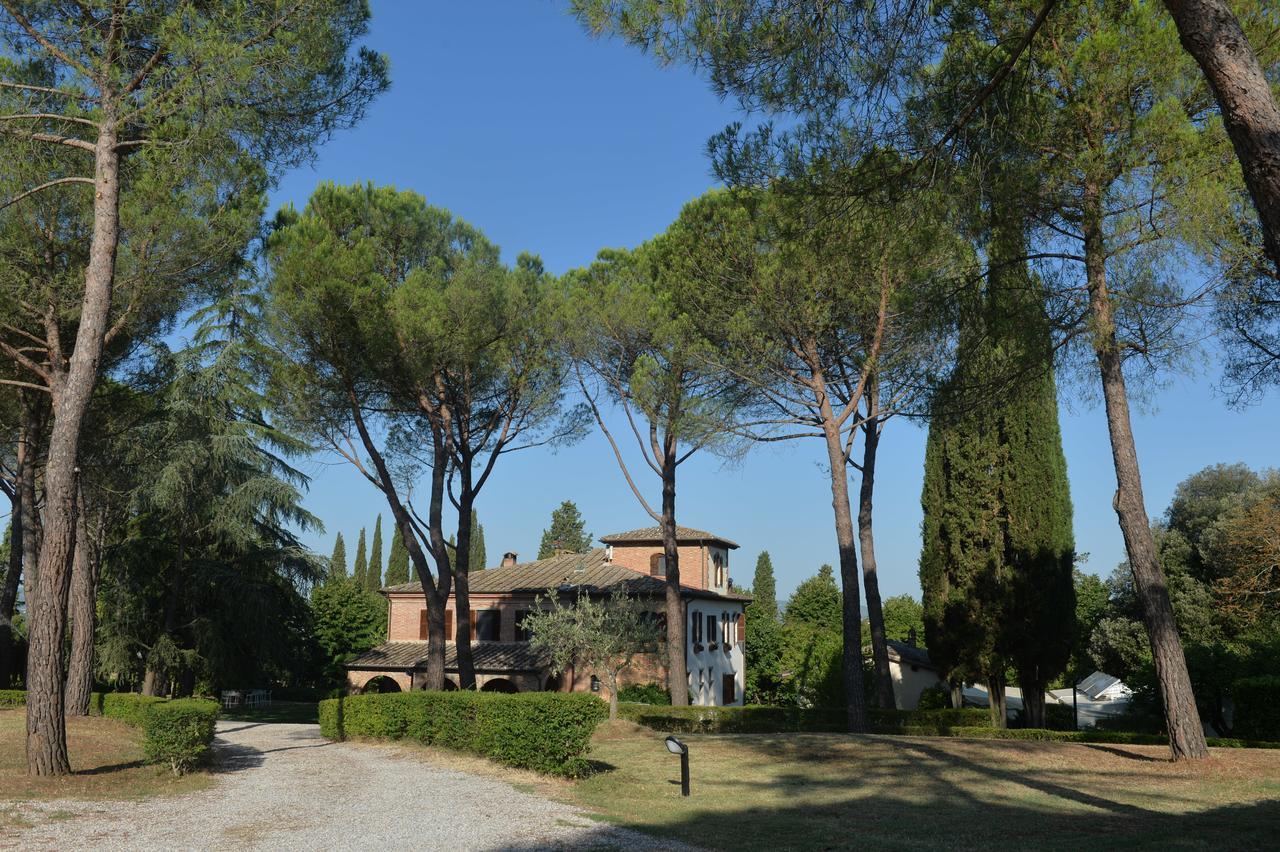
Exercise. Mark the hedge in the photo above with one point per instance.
(1257, 707)
(767, 719)
(177, 732)
(547, 732)
(1110, 737)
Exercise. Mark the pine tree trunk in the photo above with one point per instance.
(1210, 32)
(1182, 718)
(677, 662)
(996, 703)
(71, 393)
(851, 655)
(866, 538)
(84, 593)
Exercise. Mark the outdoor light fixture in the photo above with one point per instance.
(676, 747)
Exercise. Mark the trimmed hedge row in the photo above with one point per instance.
(547, 732)
(1257, 706)
(178, 732)
(767, 719)
(1086, 736)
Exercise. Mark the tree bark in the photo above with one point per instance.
(851, 654)
(677, 662)
(1211, 33)
(883, 680)
(83, 611)
(71, 393)
(1032, 700)
(1182, 718)
(996, 703)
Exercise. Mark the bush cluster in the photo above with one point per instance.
(772, 719)
(648, 693)
(544, 731)
(177, 732)
(1257, 707)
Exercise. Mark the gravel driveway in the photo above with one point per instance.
(284, 787)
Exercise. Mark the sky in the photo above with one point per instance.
(513, 118)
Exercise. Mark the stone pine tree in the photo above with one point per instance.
(360, 571)
(397, 561)
(373, 572)
(568, 532)
(242, 91)
(338, 561)
(998, 550)
(764, 636)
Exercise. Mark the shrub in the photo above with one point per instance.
(544, 731)
(891, 721)
(649, 693)
(128, 707)
(1257, 707)
(933, 698)
(759, 719)
(12, 698)
(1059, 717)
(179, 732)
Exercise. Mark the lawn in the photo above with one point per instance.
(106, 759)
(828, 791)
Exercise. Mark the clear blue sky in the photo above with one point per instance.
(549, 141)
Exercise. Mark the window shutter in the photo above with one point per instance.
(448, 625)
(742, 626)
(422, 624)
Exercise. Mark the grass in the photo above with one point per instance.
(277, 711)
(106, 763)
(829, 791)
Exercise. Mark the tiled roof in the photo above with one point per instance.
(487, 656)
(654, 534)
(586, 571)
(910, 653)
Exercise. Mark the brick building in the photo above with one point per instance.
(501, 596)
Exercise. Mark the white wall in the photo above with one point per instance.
(707, 666)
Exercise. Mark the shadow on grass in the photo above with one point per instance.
(885, 822)
(115, 767)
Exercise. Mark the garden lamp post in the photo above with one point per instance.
(676, 747)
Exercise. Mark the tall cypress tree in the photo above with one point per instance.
(362, 563)
(477, 544)
(764, 591)
(397, 560)
(373, 572)
(338, 561)
(997, 551)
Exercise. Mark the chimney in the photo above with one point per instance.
(509, 559)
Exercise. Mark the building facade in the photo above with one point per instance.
(500, 597)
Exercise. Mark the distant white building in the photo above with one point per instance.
(1099, 696)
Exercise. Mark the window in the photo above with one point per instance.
(657, 565)
(448, 625)
(718, 561)
(488, 625)
(697, 627)
(741, 621)
(522, 633)
(711, 630)
(725, 638)
(729, 688)
(422, 624)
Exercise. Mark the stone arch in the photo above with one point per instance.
(381, 683)
(499, 684)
